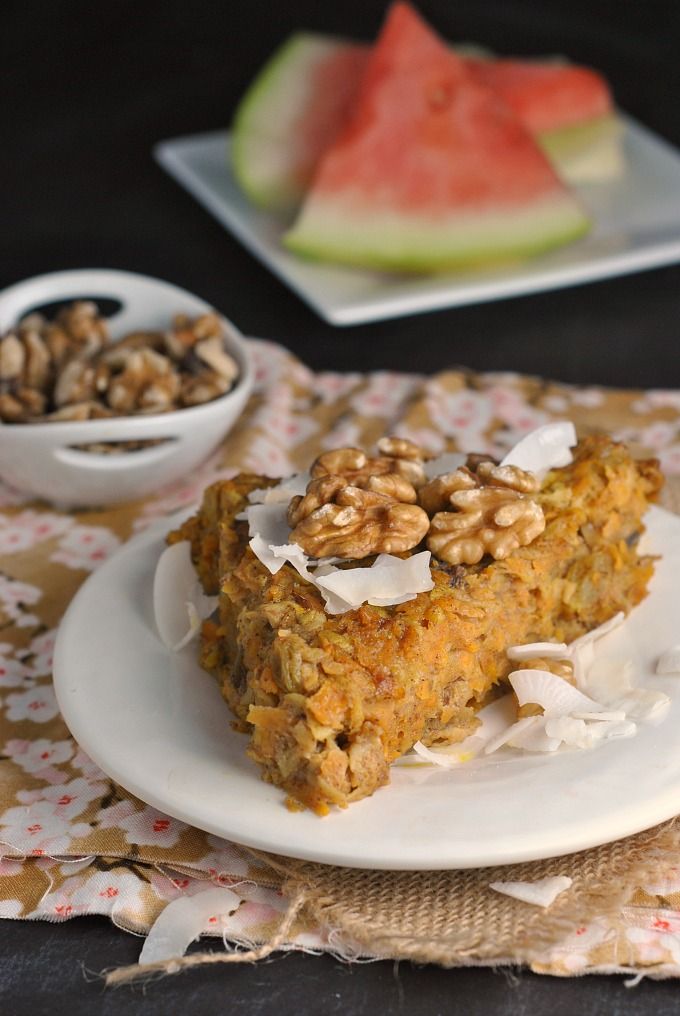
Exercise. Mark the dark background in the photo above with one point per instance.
(91, 86)
(87, 88)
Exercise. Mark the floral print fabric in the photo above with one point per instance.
(72, 842)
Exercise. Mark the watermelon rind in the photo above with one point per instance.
(335, 230)
(586, 151)
(264, 123)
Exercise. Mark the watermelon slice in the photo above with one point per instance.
(290, 114)
(432, 171)
(303, 95)
(568, 109)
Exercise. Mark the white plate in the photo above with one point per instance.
(156, 723)
(636, 226)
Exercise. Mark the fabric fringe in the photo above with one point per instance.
(135, 972)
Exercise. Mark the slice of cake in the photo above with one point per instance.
(330, 700)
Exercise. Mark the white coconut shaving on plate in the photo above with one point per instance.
(180, 605)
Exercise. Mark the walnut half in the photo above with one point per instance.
(489, 520)
(358, 523)
(482, 511)
(398, 457)
(356, 506)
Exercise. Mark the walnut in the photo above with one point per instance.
(90, 410)
(12, 357)
(400, 448)
(76, 383)
(508, 476)
(25, 360)
(359, 523)
(83, 325)
(474, 460)
(481, 508)
(149, 383)
(21, 405)
(117, 355)
(63, 369)
(321, 491)
(185, 333)
(358, 469)
(393, 485)
(38, 365)
(58, 344)
(489, 520)
(203, 387)
(212, 352)
(435, 496)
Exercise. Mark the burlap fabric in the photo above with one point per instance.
(76, 843)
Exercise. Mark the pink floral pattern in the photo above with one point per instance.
(37, 704)
(15, 598)
(85, 547)
(73, 842)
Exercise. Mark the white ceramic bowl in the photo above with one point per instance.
(39, 458)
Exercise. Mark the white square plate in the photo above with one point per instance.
(636, 226)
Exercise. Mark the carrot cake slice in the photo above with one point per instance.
(330, 699)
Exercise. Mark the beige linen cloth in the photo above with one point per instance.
(75, 843)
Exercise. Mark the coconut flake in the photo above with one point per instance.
(572, 732)
(446, 760)
(269, 522)
(615, 716)
(555, 695)
(644, 705)
(389, 580)
(608, 679)
(179, 602)
(283, 492)
(582, 649)
(539, 650)
(534, 737)
(514, 730)
(541, 893)
(545, 448)
(183, 920)
(613, 731)
(669, 662)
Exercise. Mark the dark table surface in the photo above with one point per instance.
(89, 88)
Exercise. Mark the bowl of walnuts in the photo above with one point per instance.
(112, 384)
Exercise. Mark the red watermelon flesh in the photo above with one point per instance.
(432, 170)
(545, 96)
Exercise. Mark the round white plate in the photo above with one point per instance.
(155, 722)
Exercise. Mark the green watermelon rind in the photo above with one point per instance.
(276, 196)
(565, 142)
(419, 246)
